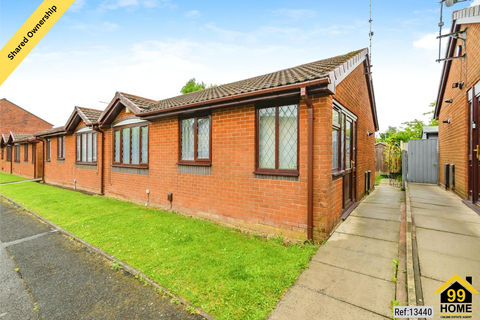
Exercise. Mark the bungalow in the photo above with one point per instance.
(18, 146)
(18, 154)
(288, 152)
(457, 107)
(70, 152)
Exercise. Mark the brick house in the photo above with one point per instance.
(457, 107)
(61, 165)
(18, 145)
(285, 153)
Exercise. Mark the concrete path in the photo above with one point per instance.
(350, 277)
(46, 275)
(447, 235)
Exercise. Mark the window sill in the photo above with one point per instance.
(16, 162)
(60, 158)
(87, 163)
(188, 163)
(135, 166)
(277, 173)
(25, 161)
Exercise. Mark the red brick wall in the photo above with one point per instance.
(24, 168)
(64, 172)
(352, 93)
(16, 119)
(232, 194)
(453, 138)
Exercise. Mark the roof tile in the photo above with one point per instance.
(305, 72)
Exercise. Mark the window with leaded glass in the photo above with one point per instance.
(277, 140)
(87, 147)
(130, 145)
(195, 140)
(9, 153)
(25, 152)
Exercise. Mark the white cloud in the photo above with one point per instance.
(115, 4)
(475, 3)
(192, 13)
(295, 14)
(427, 42)
(77, 5)
(109, 26)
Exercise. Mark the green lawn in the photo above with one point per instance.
(227, 273)
(5, 177)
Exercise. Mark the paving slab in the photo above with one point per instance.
(455, 245)
(379, 213)
(372, 228)
(441, 266)
(360, 262)
(375, 247)
(448, 225)
(375, 294)
(459, 215)
(314, 305)
(350, 276)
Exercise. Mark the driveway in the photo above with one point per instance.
(447, 235)
(46, 275)
(350, 277)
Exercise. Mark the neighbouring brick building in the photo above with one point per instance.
(18, 145)
(285, 153)
(457, 107)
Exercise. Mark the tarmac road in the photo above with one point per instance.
(46, 275)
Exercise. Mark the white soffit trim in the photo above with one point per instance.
(84, 129)
(341, 72)
(128, 121)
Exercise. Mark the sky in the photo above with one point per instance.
(151, 48)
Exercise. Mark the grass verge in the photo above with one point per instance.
(227, 273)
(5, 177)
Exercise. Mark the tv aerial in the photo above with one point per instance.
(458, 35)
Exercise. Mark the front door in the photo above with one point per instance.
(349, 178)
(474, 154)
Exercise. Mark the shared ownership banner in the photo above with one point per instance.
(27, 37)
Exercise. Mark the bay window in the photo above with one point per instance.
(131, 145)
(86, 147)
(277, 140)
(196, 140)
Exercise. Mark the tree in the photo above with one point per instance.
(433, 121)
(192, 86)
